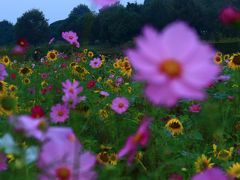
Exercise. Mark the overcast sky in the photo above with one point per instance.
(53, 9)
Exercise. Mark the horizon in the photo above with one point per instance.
(60, 11)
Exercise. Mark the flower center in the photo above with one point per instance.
(70, 37)
(236, 60)
(171, 68)
(120, 105)
(60, 113)
(175, 125)
(137, 137)
(71, 90)
(52, 56)
(63, 173)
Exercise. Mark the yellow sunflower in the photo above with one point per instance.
(12, 88)
(202, 163)
(174, 126)
(106, 158)
(224, 154)
(85, 51)
(8, 104)
(234, 170)
(90, 54)
(234, 62)
(44, 84)
(3, 87)
(103, 113)
(217, 59)
(25, 71)
(52, 55)
(126, 68)
(226, 57)
(26, 81)
(6, 61)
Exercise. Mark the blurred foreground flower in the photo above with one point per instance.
(175, 64)
(105, 3)
(229, 16)
(141, 137)
(3, 72)
(211, 174)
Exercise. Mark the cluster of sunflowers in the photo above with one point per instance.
(231, 60)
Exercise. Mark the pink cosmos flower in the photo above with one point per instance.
(104, 93)
(3, 162)
(51, 41)
(120, 105)
(44, 75)
(195, 108)
(71, 89)
(141, 137)
(70, 37)
(59, 113)
(175, 64)
(31, 127)
(104, 3)
(3, 72)
(95, 63)
(62, 157)
(211, 174)
(18, 50)
(72, 101)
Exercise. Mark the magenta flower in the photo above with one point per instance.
(71, 89)
(3, 72)
(104, 93)
(59, 113)
(44, 75)
(31, 127)
(72, 101)
(3, 162)
(120, 105)
(211, 174)
(141, 137)
(62, 157)
(95, 63)
(51, 40)
(70, 37)
(195, 108)
(105, 3)
(229, 15)
(175, 64)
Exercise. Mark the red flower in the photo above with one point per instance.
(13, 76)
(229, 15)
(44, 91)
(63, 66)
(91, 84)
(37, 111)
(22, 43)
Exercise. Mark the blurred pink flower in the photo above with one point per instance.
(141, 137)
(70, 36)
(104, 93)
(105, 3)
(229, 15)
(59, 113)
(195, 108)
(211, 174)
(175, 64)
(51, 40)
(31, 127)
(120, 105)
(3, 162)
(62, 157)
(95, 63)
(72, 101)
(3, 72)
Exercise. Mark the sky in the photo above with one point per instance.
(53, 9)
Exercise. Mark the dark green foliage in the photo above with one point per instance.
(6, 33)
(33, 26)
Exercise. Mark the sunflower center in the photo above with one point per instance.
(171, 68)
(236, 60)
(175, 125)
(25, 71)
(52, 56)
(63, 173)
(218, 59)
(104, 157)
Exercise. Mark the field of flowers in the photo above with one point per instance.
(167, 109)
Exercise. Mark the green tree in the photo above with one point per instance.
(7, 33)
(33, 26)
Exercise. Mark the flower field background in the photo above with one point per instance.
(167, 108)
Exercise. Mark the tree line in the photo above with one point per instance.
(120, 24)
